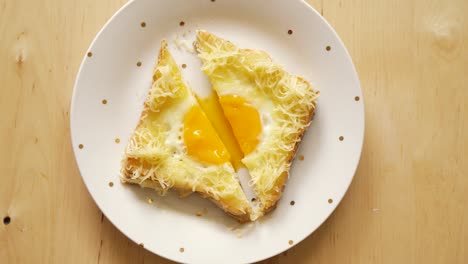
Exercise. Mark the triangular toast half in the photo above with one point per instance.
(268, 109)
(174, 145)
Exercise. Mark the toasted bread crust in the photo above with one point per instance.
(241, 217)
(281, 181)
(128, 164)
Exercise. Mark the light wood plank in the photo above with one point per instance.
(408, 201)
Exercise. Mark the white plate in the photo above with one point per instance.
(316, 184)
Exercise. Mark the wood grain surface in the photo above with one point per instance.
(407, 204)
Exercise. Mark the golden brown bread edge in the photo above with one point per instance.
(183, 192)
(128, 162)
(280, 182)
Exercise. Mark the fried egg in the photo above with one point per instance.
(175, 146)
(268, 110)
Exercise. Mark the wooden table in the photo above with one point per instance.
(407, 203)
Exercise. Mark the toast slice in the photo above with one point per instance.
(175, 147)
(268, 109)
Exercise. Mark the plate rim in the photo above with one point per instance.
(305, 234)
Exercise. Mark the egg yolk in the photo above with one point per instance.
(201, 139)
(214, 112)
(244, 120)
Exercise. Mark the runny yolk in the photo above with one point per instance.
(244, 120)
(201, 139)
(214, 112)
